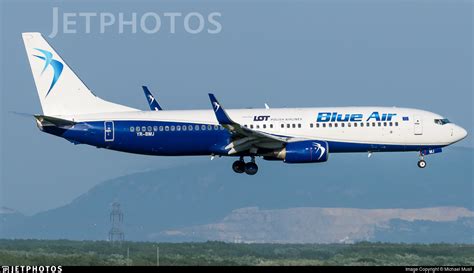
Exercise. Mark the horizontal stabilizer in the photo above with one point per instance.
(44, 121)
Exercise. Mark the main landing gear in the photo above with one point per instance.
(249, 168)
(421, 163)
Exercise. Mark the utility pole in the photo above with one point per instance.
(157, 255)
(128, 256)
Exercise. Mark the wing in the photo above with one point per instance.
(154, 105)
(243, 138)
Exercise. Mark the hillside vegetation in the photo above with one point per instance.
(64, 252)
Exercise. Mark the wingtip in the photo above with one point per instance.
(212, 97)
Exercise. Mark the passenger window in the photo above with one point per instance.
(288, 125)
(264, 126)
(257, 126)
(209, 127)
(385, 124)
(361, 124)
(216, 127)
(185, 127)
(391, 124)
(196, 128)
(380, 124)
(245, 125)
(282, 125)
(155, 128)
(355, 124)
(143, 129)
(203, 127)
(271, 126)
(368, 124)
(335, 125)
(299, 125)
(349, 124)
(132, 129)
(330, 125)
(190, 128)
(317, 125)
(373, 124)
(342, 125)
(149, 128)
(161, 128)
(178, 128)
(172, 128)
(324, 125)
(293, 125)
(167, 128)
(396, 123)
(251, 126)
(311, 125)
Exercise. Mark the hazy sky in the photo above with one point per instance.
(286, 53)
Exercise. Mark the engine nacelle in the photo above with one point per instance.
(308, 151)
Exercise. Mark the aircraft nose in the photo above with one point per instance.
(462, 133)
(459, 133)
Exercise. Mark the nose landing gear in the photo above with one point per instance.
(249, 168)
(421, 163)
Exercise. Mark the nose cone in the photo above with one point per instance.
(460, 133)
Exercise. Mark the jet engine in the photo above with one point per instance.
(308, 151)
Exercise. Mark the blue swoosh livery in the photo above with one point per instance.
(55, 64)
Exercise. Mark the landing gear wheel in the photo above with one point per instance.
(251, 168)
(238, 166)
(421, 164)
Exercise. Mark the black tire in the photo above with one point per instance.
(421, 164)
(238, 166)
(251, 168)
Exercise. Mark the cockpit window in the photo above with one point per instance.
(442, 121)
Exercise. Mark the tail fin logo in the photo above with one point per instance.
(55, 64)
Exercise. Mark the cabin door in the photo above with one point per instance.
(418, 125)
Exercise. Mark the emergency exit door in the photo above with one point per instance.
(109, 131)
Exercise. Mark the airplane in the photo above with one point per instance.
(152, 102)
(290, 135)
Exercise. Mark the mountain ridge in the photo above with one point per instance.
(206, 192)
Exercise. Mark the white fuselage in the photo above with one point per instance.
(418, 128)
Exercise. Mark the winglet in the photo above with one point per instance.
(154, 106)
(221, 115)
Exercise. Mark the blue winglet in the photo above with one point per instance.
(154, 106)
(221, 115)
